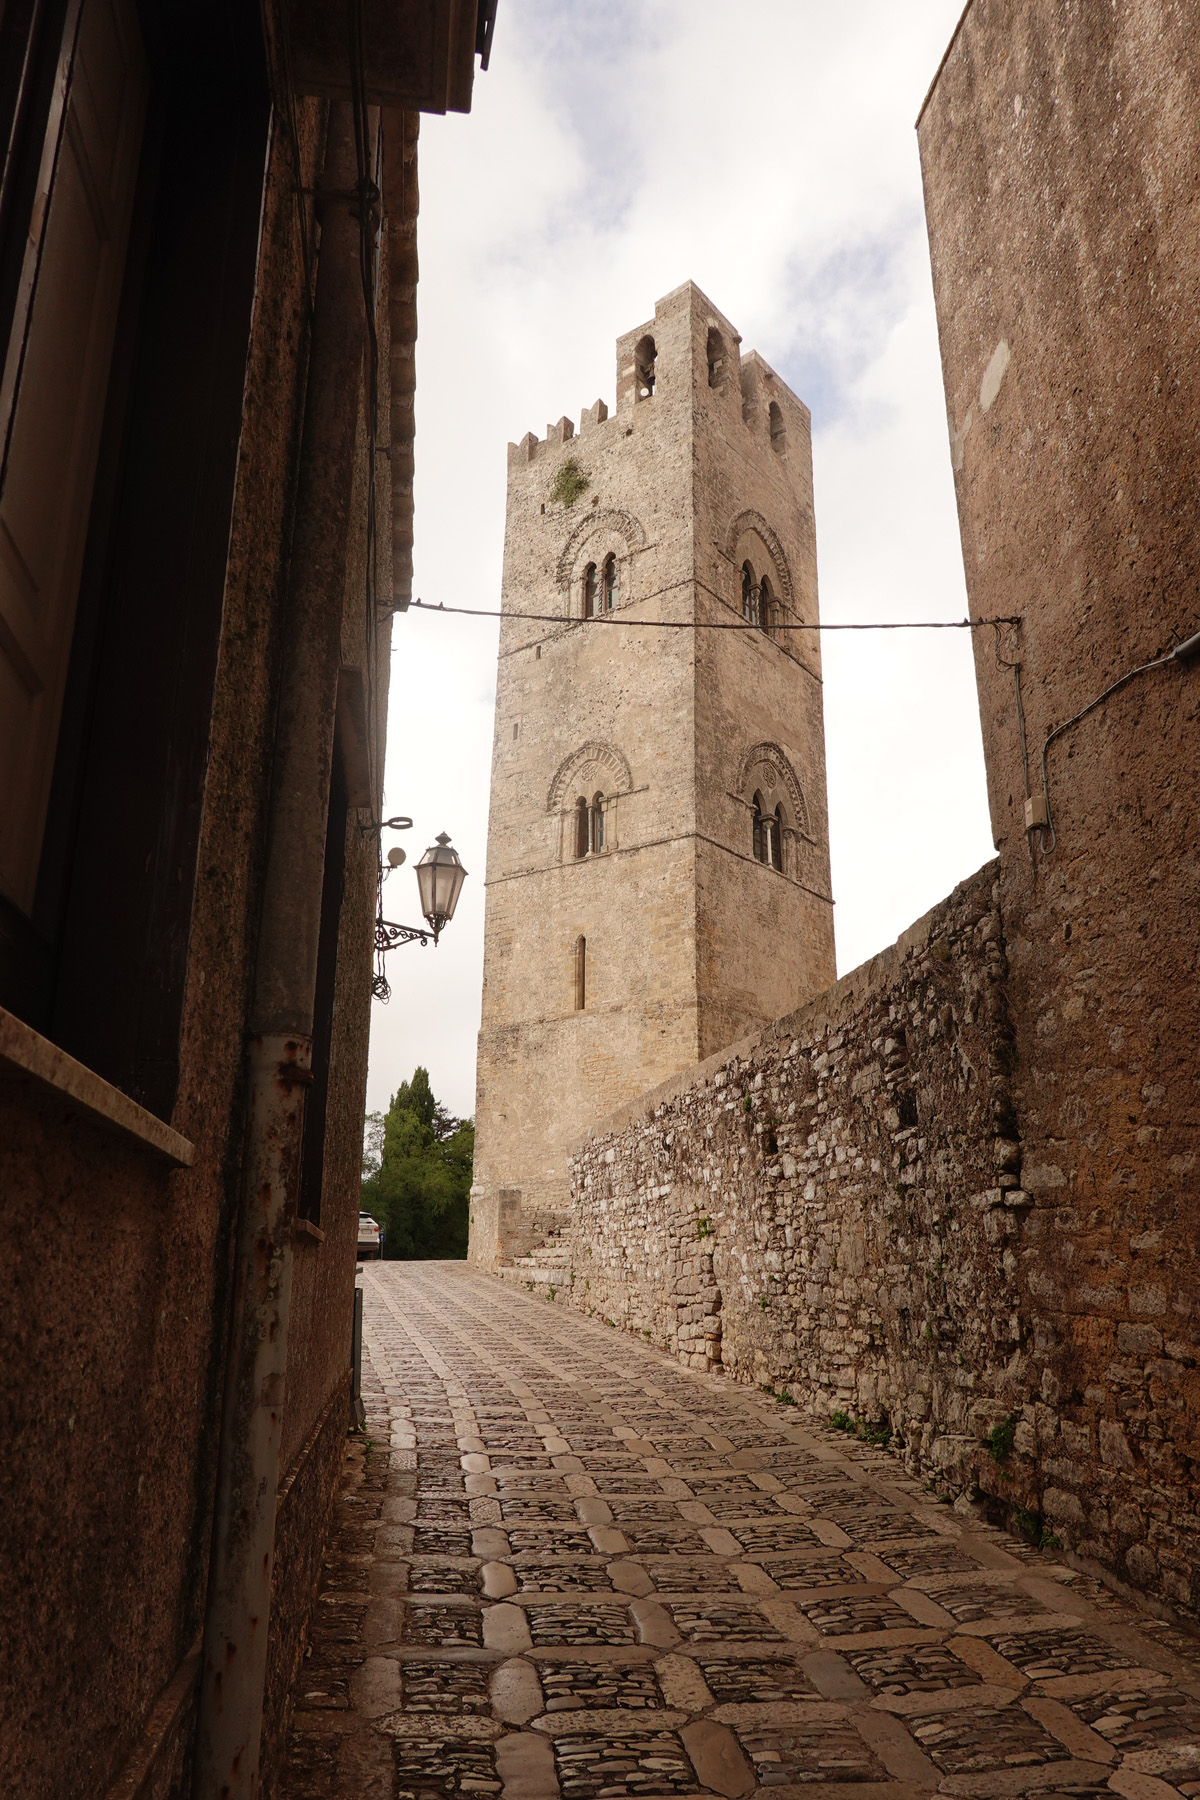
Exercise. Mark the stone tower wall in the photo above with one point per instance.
(689, 941)
(1061, 155)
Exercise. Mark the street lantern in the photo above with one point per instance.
(440, 876)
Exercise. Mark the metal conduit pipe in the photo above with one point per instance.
(279, 1046)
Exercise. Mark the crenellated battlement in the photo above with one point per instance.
(531, 445)
(686, 349)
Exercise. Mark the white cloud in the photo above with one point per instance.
(767, 153)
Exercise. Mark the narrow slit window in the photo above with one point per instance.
(766, 606)
(778, 433)
(589, 591)
(597, 822)
(750, 595)
(716, 358)
(580, 973)
(759, 835)
(611, 584)
(581, 827)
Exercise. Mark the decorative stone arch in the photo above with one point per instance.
(766, 766)
(602, 522)
(618, 776)
(754, 521)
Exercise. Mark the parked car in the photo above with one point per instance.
(370, 1236)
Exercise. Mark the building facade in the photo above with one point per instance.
(658, 865)
(207, 323)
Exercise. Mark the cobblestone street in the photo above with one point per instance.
(564, 1565)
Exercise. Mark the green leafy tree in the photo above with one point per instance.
(417, 1164)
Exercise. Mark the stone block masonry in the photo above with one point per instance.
(832, 1207)
(671, 924)
(834, 1210)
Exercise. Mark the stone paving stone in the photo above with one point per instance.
(432, 1768)
(848, 1614)
(586, 1624)
(1160, 1726)
(427, 1624)
(531, 1510)
(729, 1510)
(446, 1687)
(662, 1540)
(987, 1601)
(673, 1575)
(921, 1669)
(1042, 1653)
(867, 1525)
(767, 1680)
(571, 1538)
(833, 1753)
(966, 1742)
(437, 1541)
(807, 1572)
(713, 1621)
(647, 1512)
(562, 1618)
(443, 1512)
(646, 1762)
(444, 1578)
(577, 1687)
(937, 1558)
(540, 1574)
(777, 1534)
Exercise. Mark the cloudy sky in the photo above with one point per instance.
(766, 151)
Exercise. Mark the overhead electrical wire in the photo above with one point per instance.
(485, 612)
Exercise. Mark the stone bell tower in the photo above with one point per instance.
(658, 855)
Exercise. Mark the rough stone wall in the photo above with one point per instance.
(1060, 147)
(683, 485)
(834, 1207)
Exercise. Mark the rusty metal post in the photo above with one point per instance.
(279, 1048)
(357, 1411)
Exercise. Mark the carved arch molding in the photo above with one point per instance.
(770, 756)
(754, 521)
(601, 519)
(607, 756)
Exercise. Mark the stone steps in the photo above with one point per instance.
(548, 1266)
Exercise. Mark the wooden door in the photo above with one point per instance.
(57, 420)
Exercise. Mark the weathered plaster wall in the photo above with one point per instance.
(834, 1207)
(117, 1295)
(1061, 148)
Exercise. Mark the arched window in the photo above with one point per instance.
(768, 834)
(750, 595)
(766, 606)
(596, 835)
(778, 434)
(582, 836)
(716, 357)
(611, 586)
(589, 591)
(644, 358)
(580, 973)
